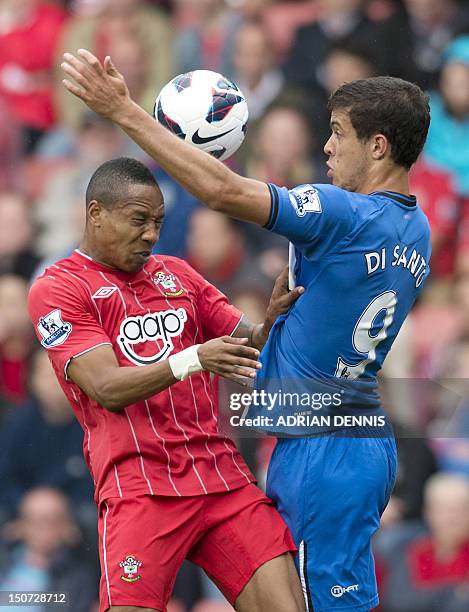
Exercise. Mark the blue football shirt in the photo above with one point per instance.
(363, 260)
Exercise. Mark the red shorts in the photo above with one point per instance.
(143, 541)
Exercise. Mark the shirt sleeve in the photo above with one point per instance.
(315, 218)
(63, 321)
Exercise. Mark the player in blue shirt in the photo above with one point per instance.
(360, 248)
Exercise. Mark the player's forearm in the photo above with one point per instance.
(260, 333)
(257, 334)
(119, 387)
(201, 174)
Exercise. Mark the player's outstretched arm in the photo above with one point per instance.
(280, 301)
(99, 375)
(104, 90)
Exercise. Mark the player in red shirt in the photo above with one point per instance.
(168, 485)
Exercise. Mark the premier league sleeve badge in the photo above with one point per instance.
(53, 329)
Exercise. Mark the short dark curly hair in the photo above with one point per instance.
(110, 180)
(386, 105)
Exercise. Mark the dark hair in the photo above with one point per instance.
(111, 178)
(386, 105)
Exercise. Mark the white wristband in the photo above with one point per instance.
(185, 363)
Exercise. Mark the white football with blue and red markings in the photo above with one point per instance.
(205, 109)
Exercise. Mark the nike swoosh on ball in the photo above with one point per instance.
(196, 139)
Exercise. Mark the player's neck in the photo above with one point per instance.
(397, 179)
(95, 254)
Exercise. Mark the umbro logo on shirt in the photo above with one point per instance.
(104, 292)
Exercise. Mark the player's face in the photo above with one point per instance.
(348, 157)
(130, 230)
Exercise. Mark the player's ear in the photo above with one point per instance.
(94, 211)
(379, 146)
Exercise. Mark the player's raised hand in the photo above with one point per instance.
(230, 357)
(100, 86)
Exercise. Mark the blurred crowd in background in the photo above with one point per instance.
(287, 57)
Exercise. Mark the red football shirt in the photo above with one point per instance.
(27, 60)
(437, 197)
(168, 444)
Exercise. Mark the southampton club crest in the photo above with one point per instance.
(167, 283)
(53, 330)
(130, 566)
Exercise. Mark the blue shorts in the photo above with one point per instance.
(331, 491)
